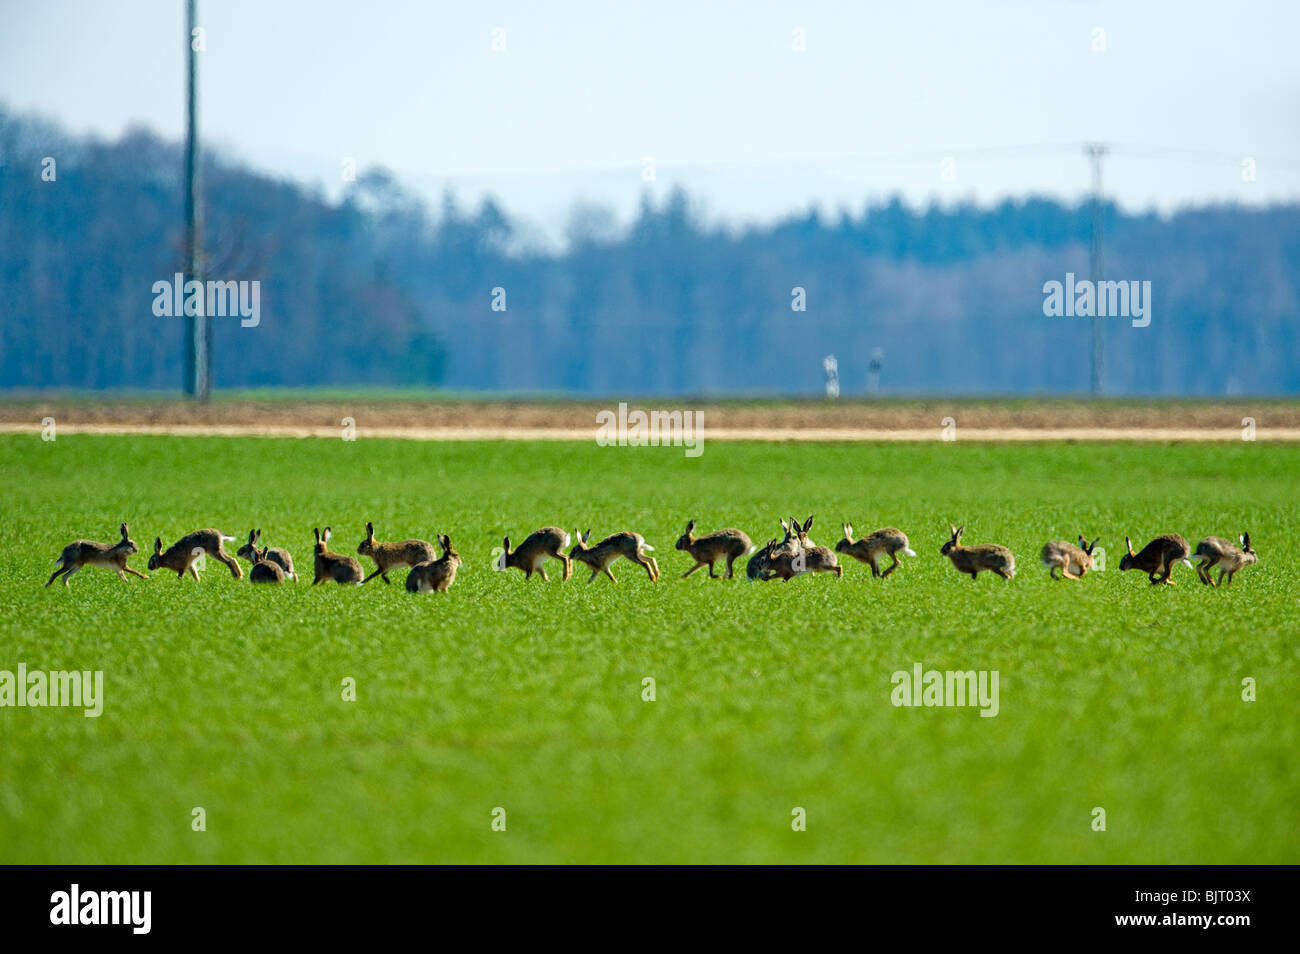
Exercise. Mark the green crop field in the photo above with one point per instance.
(768, 697)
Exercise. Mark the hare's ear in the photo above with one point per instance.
(1245, 540)
(252, 537)
(1083, 542)
(586, 536)
(316, 530)
(445, 541)
(690, 526)
(1129, 543)
(259, 535)
(807, 524)
(784, 527)
(1092, 546)
(325, 537)
(956, 534)
(370, 530)
(126, 531)
(157, 544)
(505, 542)
(952, 530)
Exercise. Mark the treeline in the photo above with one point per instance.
(381, 290)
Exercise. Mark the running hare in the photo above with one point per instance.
(393, 556)
(539, 545)
(182, 555)
(275, 554)
(1065, 561)
(621, 544)
(1157, 557)
(707, 550)
(1226, 555)
(81, 553)
(334, 566)
(888, 542)
(985, 556)
(436, 575)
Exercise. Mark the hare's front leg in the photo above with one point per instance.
(135, 572)
(696, 567)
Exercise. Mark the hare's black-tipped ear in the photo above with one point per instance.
(1092, 546)
(807, 524)
(259, 534)
(316, 530)
(1245, 541)
(126, 531)
(1129, 543)
(370, 530)
(952, 529)
(690, 526)
(960, 530)
(326, 535)
(157, 544)
(586, 536)
(505, 542)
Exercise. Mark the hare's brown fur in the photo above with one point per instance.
(436, 575)
(112, 556)
(275, 554)
(1157, 557)
(1224, 554)
(265, 570)
(393, 556)
(333, 566)
(538, 546)
(728, 544)
(889, 541)
(985, 556)
(182, 554)
(1065, 561)
(622, 544)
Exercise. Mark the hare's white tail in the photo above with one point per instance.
(650, 549)
(908, 551)
(568, 538)
(1188, 563)
(752, 550)
(227, 539)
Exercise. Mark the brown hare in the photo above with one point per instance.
(621, 544)
(707, 550)
(1157, 557)
(436, 575)
(548, 542)
(1226, 555)
(275, 554)
(393, 556)
(182, 555)
(889, 542)
(1065, 561)
(785, 564)
(984, 556)
(265, 570)
(334, 566)
(81, 553)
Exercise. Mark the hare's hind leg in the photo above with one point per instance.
(71, 571)
(648, 563)
(893, 566)
(568, 566)
(696, 567)
(59, 572)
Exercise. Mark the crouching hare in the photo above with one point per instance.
(436, 575)
(277, 555)
(334, 566)
(265, 570)
(1065, 561)
(984, 556)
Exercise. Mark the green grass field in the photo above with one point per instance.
(528, 696)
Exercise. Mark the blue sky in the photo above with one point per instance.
(714, 92)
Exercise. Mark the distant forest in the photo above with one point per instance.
(382, 290)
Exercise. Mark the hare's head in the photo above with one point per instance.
(127, 543)
(1246, 548)
(954, 541)
(1126, 561)
(581, 545)
(367, 546)
(155, 561)
(685, 540)
(844, 544)
(249, 550)
(1087, 547)
(447, 552)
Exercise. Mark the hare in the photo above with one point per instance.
(785, 564)
(710, 548)
(436, 575)
(182, 555)
(1157, 557)
(392, 556)
(265, 569)
(334, 566)
(1065, 561)
(537, 546)
(275, 554)
(795, 531)
(985, 556)
(81, 553)
(621, 544)
(888, 542)
(1227, 556)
